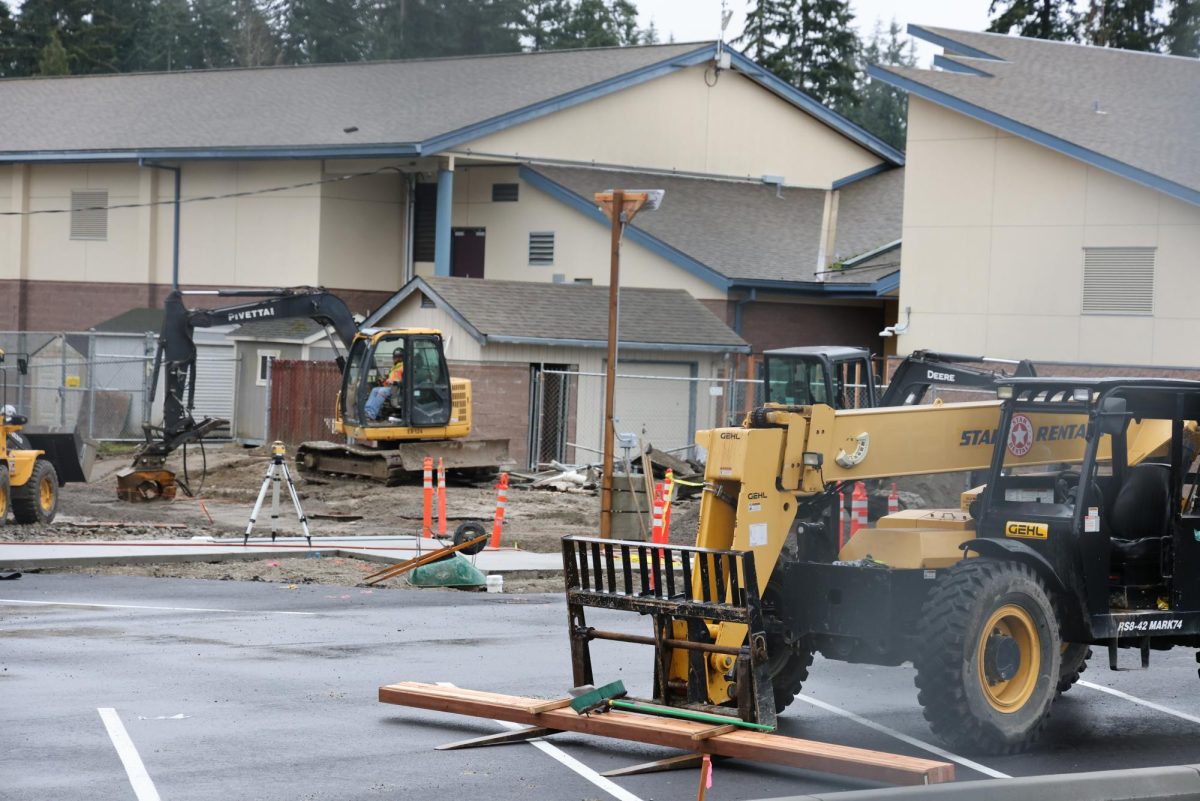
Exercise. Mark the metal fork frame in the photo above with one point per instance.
(717, 586)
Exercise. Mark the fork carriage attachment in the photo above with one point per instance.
(687, 592)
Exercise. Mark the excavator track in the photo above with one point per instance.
(393, 466)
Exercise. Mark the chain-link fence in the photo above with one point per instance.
(99, 384)
(567, 414)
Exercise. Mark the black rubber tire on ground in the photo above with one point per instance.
(4, 495)
(36, 501)
(1074, 661)
(469, 531)
(976, 615)
(789, 676)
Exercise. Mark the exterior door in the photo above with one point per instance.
(466, 252)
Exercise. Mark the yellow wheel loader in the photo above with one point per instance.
(1083, 536)
(28, 481)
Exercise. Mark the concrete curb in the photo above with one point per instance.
(1172, 783)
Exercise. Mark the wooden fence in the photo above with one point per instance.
(303, 395)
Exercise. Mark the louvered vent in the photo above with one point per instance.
(541, 248)
(427, 302)
(89, 215)
(1118, 280)
(505, 193)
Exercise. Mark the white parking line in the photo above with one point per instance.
(143, 787)
(154, 608)
(607, 785)
(1141, 701)
(879, 727)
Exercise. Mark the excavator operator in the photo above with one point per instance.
(379, 395)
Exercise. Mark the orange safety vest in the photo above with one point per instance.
(396, 374)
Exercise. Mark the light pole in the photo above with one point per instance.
(620, 205)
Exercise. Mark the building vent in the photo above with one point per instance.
(427, 302)
(505, 193)
(89, 214)
(1118, 281)
(541, 248)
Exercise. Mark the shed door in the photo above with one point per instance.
(215, 374)
(665, 408)
(466, 252)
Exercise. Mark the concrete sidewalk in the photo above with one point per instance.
(389, 550)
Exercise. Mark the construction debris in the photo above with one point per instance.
(696, 737)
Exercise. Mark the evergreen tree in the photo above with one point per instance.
(322, 31)
(255, 41)
(1036, 19)
(1123, 24)
(767, 29)
(808, 43)
(53, 58)
(8, 42)
(880, 108)
(541, 23)
(212, 37)
(85, 32)
(1181, 36)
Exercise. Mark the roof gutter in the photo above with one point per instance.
(502, 339)
(823, 288)
(212, 154)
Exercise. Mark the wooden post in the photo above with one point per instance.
(614, 280)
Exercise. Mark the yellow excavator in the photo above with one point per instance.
(390, 427)
(1082, 537)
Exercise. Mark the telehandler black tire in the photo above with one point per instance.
(789, 676)
(4, 495)
(989, 664)
(36, 501)
(1074, 661)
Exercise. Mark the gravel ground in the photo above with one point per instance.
(535, 520)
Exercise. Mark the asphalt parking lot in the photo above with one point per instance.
(250, 690)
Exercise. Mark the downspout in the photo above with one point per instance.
(410, 183)
(737, 310)
(175, 247)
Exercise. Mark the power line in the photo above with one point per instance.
(204, 198)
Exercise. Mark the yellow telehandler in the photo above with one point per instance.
(1083, 536)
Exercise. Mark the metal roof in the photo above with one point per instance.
(521, 312)
(1133, 114)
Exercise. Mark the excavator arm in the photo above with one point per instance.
(923, 369)
(175, 359)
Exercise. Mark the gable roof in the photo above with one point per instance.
(1130, 113)
(395, 108)
(742, 234)
(295, 329)
(576, 315)
(132, 321)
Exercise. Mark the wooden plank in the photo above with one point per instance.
(550, 705)
(758, 746)
(715, 731)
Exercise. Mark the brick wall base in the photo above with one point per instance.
(499, 404)
(767, 324)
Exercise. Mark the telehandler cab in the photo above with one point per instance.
(1084, 535)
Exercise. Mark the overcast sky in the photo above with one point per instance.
(695, 20)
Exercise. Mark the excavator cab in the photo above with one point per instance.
(840, 377)
(397, 378)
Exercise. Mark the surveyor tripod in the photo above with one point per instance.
(277, 472)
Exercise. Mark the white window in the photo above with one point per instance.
(89, 214)
(541, 248)
(1118, 281)
(265, 357)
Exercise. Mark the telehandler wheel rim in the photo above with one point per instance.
(46, 494)
(1009, 631)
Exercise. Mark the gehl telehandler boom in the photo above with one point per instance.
(1082, 536)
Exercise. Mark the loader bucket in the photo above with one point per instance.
(70, 455)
